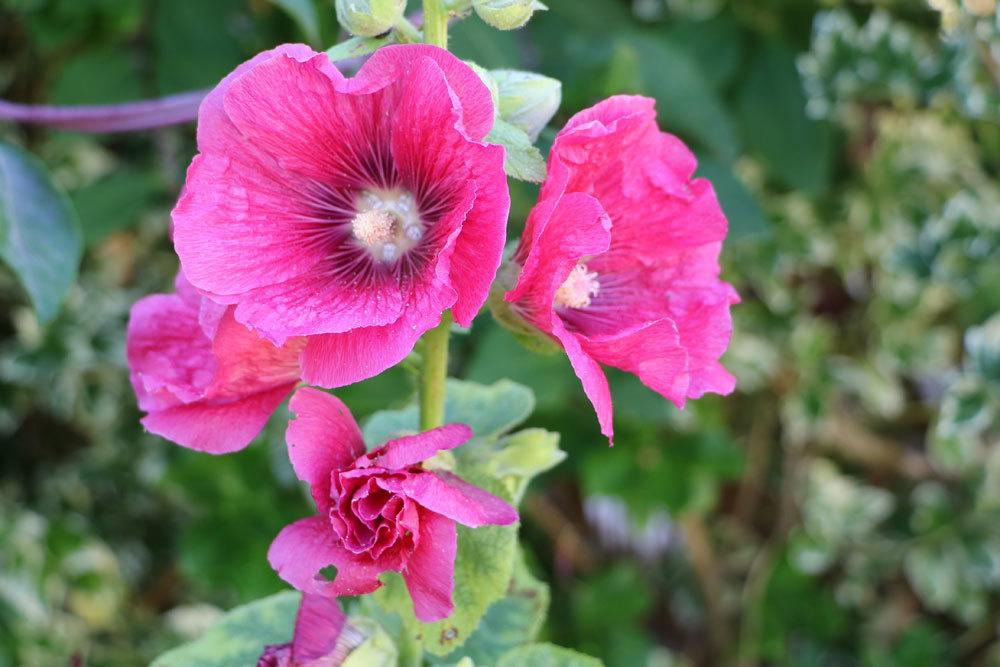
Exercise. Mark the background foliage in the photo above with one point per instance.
(842, 508)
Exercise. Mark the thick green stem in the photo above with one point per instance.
(434, 373)
(436, 23)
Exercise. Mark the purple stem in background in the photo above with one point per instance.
(128, 117)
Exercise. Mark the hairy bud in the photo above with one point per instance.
(369, 18)
(506, 14)
(527, 100)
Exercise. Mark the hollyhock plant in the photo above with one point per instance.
(351, 211)
(206, 381)
(378, 511)
(619, 258)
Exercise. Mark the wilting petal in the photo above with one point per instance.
(595, 383)
(217, 428)
(318, 625)
(307, 546)
(451, 496)
(323, 437)
(412, 449)
(430, 571)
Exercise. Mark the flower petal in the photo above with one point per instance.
(217, 428)
(318, 625)
(595, 383)
(323, 437)
(430, 571)
(451, 496)
(307, 546)
(412, 449)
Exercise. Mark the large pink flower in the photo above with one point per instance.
(352, 211)
(207, 382)
(377, 511)
(619, 258)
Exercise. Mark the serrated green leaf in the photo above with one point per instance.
(490, 411)
(483, 568)
(39, 233)
(510, 622)
(521, 159)
(303, 12)
(238, 638)
(546, 655)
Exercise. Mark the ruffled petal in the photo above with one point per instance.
(323, 437)
(451, 496)
(412, 449)
(430, 570)
(309, 545)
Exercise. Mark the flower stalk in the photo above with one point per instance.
(433, 374)
(436, 23)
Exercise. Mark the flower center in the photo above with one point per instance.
(387, 223)
(579, 288)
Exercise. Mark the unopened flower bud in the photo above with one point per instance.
(527, 100)
(369, 18)
(506, 14)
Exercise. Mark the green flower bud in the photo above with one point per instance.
(506, 14)
(369, 18)
(527, 100)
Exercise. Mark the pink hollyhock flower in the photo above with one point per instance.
(619, 258)
(207, 382)
(322, 637)
(351, 211)
(377, 511)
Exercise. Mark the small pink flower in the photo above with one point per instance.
(351, 211)
(377, 511)
(207, 382)
(619, 259)
(322, 637)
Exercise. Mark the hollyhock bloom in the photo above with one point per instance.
(619, 258)
(377, 511)
(206, 381)
(322, 637)
(353, 211)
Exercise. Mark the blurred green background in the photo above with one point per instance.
(842, 508)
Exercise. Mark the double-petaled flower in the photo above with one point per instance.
(349, 211)
(619, 259)
(378, 511)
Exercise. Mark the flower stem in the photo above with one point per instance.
(406, 32)
(436, 23)
(434, 373)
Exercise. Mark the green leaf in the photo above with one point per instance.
(356, 47)
(489, 411)
(546, 655)
(238, 638)
(39, 232)
(510, 622)
(772, 107)
(377, 651)
(303, 12)
(112, 203)
(483, 568)
(523, 455)
(522, 160)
